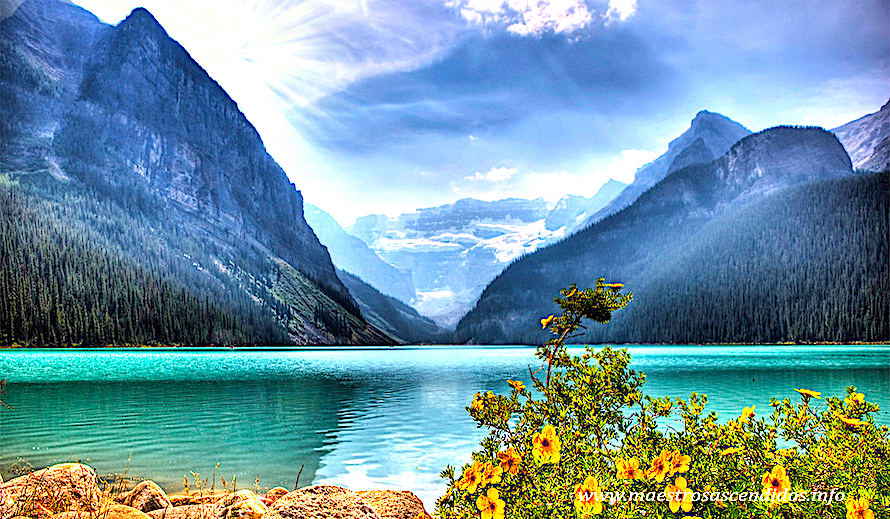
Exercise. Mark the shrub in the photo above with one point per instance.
(589, 443)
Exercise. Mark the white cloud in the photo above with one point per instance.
(623, 167)
(495, 175)
(621, 9)
(473, 138)
(527, 17)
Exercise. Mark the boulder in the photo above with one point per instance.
(59, 488)
(201, 511)
(196, 499)
(242, 504)
(321, 502)
(146, 496)
(394, 504)
(113, 511)
(275, 494)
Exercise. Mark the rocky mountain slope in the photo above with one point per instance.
(122, 121)
(572, 211)
(648, 244)
(867, 140)
(353, 255)
(709, 136)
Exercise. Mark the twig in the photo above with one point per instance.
(297, 484)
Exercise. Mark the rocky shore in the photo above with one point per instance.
(71, 491)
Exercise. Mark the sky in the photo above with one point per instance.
(387, 106)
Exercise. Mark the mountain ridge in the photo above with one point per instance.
(629, 246)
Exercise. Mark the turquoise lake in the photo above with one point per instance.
(358, 417)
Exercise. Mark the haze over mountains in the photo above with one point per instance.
(138, 205)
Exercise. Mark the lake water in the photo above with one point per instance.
(357, 417)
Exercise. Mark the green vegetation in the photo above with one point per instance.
(588, 442)
(809, 263)
(66, 282)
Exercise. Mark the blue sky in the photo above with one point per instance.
(387, 106)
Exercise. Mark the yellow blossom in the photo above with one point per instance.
(491, 474)
(850, 421)
(628, 469)
(589, 497)
(516, 384)
(678, 463)
(730, 450)
(478, 402)
(660, 467)
(546, 321)
(491, 505)
(546, 446)
(471, 478)
(855, 399)
(776, 481)
(679, 495)
(807, 392)
(613, 285)
(747, 413)
(858, 508)
(510, 460)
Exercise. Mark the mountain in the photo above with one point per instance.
(775, 240)
(134, 152)
(392, 316)
(452, 251)
(709, 136)
(353, 255)
(867, 140)
(572, 210)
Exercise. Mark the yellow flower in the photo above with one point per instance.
(471, 478)
(678, 495)
(628, 469)
(572, 293)
(589, 497)
(776, 481)
(660, 467)
(491, 505)
(491, 474)
(678, 463)
(850, 421)
(614, 285)
(516, 384)
(747, 413)
(546, 322)
(855, 399)
(807, 392)
(858, 508)
(478, 402)
(510, 460)
(546, 446)
(730, 450)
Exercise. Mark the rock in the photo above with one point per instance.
(195, 499)
(202, 511)
(113, 511)
(59, 488)
(242, 504)
(321, 502)
(146, 496)
(394, 504)
(275, 494)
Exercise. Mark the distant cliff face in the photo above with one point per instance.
(125, 112)
(635, 244)
(453, 251)
(709, 136)
(867, 140)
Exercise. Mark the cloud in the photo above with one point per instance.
(495, 175)
(527, 17)
(623, 167)
(621, 10)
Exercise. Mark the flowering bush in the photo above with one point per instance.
(589, 443)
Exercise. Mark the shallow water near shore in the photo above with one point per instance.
(364, 418)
